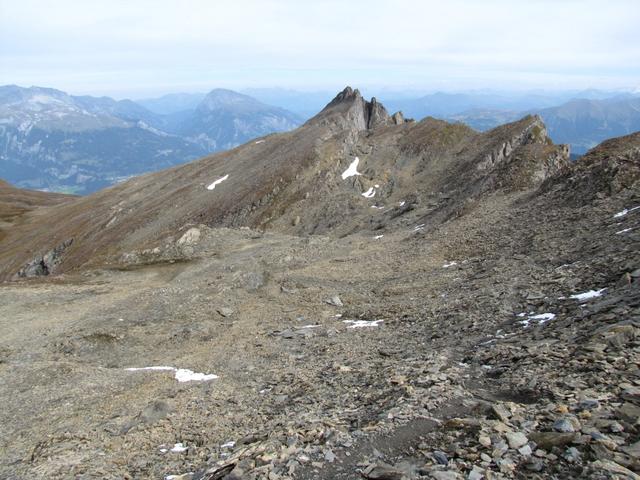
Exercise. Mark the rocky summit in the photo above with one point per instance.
(363, 297)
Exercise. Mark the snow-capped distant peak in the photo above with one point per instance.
(45, 100)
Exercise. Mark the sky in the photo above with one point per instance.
(142, 48)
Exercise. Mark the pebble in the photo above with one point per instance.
(476, 474)
(441, 457)
(588, 404)
(525, 451)
(484, 440)
(335, 301)
(225, 311)
(572, 455)
(439, 475)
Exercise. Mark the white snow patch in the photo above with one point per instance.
(259, 141)
(310, 326)
(402, 203)
(369, 193)
(228, 445)
(362, 323)
(181, 374)
(179, 448)
(418, 227)
(149, 128)
(624, 231)
(588, 295)
(544, 317)
(217, 182)
(377, 207)
(450, 264)
(541, 319)
(175, 477)
(44, 99)
(352, 170)
(378, 237)
(184, 375)
(625, 211)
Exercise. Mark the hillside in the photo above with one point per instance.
(15, 203)
(362, 297)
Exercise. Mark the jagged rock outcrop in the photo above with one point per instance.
(533, 131)
(398, 118)
(349, 110)
(45, 264)
(605, 170)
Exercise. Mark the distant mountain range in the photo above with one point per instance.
(51, 140)
(581, 123)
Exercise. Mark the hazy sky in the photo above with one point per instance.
(148, 47)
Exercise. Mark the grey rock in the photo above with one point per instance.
(476, 474)
(501, 413)
(588, 404)
(563, 425)
(629, 413)
(382, 472)
(45, 264)
(335, 301)
(632, 394)
(548, 440)
(516, 439)
(190, 237)
(441, 457)
(572, 455)
(534, 464)
(440, 475)
(225, 311)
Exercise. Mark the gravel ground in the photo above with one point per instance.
(450, 352)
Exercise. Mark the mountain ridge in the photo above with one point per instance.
(282, 182)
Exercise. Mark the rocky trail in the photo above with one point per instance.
(418, 354)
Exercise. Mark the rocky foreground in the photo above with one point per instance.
(495, 339)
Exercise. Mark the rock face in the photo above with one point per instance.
(45, 264)
(604, 170)
(349, 110)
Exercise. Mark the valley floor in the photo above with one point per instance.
(461, 352)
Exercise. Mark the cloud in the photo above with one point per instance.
(121, 46)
